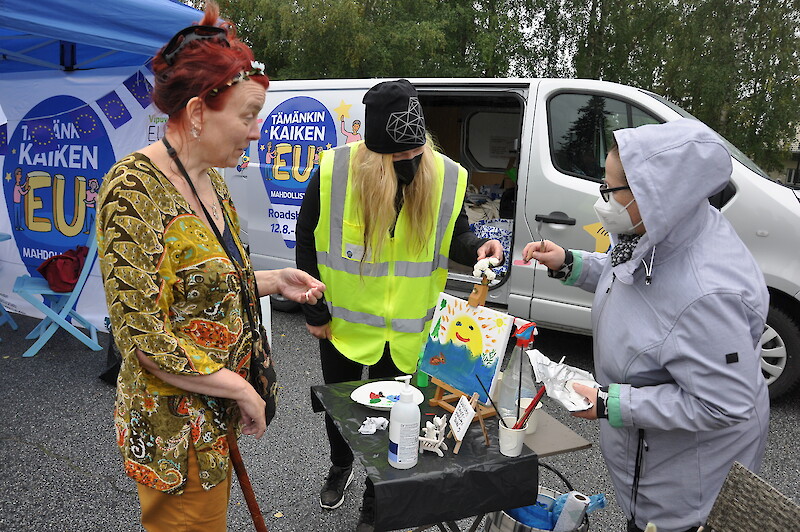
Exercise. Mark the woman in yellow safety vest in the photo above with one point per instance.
(376, 226)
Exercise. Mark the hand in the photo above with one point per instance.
(254, 418)
(491, 248)
(589, 393)
(323, 332)
(299, 286)
(546, 252)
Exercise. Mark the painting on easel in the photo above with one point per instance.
(465, 341)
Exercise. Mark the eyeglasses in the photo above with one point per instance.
(605, 192)
(189, 34)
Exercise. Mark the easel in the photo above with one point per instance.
(444, 401)
(476, 299)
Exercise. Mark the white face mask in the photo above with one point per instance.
(615, 217)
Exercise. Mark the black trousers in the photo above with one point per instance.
(338, 368)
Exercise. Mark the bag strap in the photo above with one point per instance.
(242, 274)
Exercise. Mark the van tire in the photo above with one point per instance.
(280, 303)
(780, 352)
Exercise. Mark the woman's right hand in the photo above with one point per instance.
(546, 252)
(252, 408)
(323, 332)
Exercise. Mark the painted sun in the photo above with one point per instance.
(463, 325)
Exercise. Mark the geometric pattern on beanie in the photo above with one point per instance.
(407, 127)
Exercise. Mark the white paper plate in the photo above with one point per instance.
(381, 395)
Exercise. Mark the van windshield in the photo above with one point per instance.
(735, 152)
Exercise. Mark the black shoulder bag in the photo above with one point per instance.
(262, 374)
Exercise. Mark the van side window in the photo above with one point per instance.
(581, 131)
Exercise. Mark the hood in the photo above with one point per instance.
(672, 169)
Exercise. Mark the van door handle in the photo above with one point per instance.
(555, 217)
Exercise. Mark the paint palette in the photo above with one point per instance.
(381, 395)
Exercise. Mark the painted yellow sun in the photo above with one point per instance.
(466, 331)
(475, 328)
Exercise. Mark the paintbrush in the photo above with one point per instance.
(490, 400)
(521, 422)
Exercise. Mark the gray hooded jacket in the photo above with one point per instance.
(681, 354)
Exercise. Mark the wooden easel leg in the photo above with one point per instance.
(480, 415)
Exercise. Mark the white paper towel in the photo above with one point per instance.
(572, 514)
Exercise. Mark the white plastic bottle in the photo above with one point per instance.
(404, 429)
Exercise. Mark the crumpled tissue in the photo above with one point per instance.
(484, 267)
(371, 424)
(558, 379)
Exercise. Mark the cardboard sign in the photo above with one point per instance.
(461, 418)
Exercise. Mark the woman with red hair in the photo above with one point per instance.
(180, 287)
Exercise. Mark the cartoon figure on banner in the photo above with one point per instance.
(269, 154)
(245, 162)
(344, 112)
(291, 137)
(91, 204)
(465, 341)
(353, 136)
(58, 153)
(20, 190)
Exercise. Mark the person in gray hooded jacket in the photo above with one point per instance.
(679, 308)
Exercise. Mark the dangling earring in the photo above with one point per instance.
(195, 132)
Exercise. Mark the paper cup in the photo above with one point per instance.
(511, 439)
(533, 419)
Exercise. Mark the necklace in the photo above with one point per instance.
(174, 155)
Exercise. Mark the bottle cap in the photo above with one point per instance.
(405, 394)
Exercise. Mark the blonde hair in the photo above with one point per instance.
(375, 185)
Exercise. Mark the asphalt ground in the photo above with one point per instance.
(60, 469)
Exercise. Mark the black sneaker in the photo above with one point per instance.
(366, 521)
(332, 494)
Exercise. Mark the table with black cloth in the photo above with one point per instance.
(473, 482)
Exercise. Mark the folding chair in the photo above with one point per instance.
(747, 502)
(5, 317)
(57, 307)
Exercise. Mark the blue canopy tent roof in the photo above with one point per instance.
(89, 34)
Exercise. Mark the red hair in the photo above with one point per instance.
(200, 67)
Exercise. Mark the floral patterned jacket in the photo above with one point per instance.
(172, 293)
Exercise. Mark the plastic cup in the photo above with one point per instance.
(511, 439)
(533, 419)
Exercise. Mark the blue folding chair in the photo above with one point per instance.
(58, 307)
(5, 317)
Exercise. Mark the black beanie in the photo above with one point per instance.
(393, 119)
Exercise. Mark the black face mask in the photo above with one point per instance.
(407, 169)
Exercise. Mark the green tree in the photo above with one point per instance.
(384, 38)
(732, 64)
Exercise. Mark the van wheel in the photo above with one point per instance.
(280, 303)
(780, 352)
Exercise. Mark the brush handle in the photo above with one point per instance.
(521, 422)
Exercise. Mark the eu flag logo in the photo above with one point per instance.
(114, 109)
(86, 123)
(140, 88)
(39, 132)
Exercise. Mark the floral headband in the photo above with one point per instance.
(256, 69)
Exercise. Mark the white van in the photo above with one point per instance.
(535, 150)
